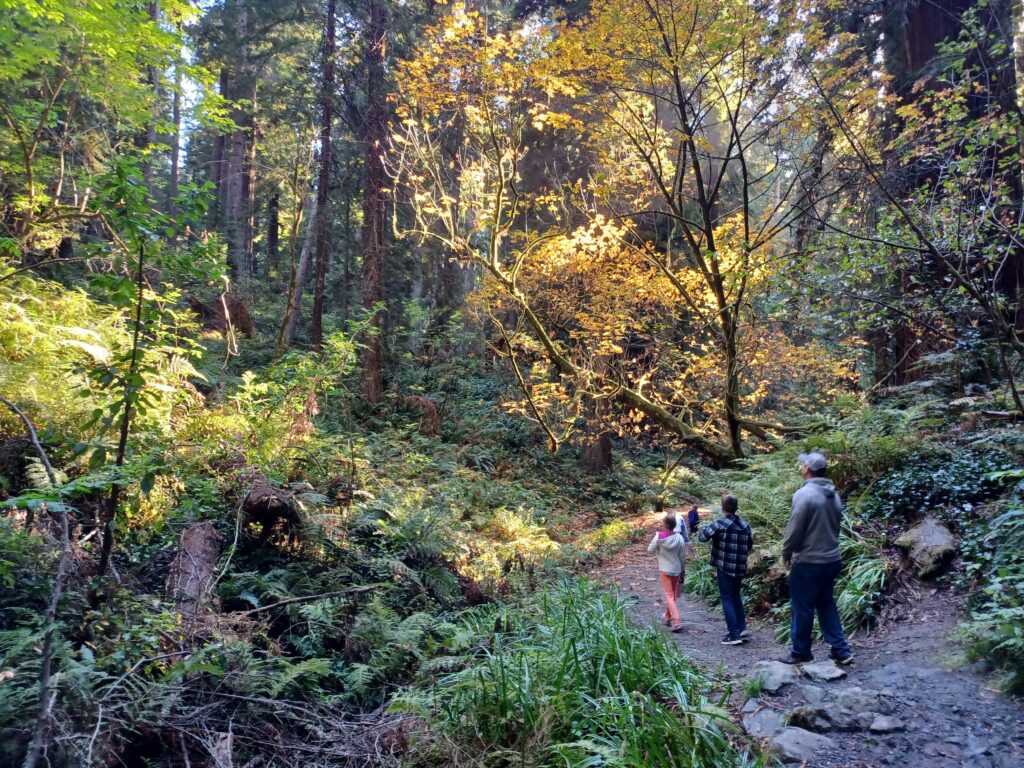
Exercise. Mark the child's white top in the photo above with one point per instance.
(671, 553)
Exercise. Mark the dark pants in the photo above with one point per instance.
(732, 603)
(811, 588)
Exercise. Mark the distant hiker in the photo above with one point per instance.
(731, 541)
(693, 518)
(811, 543)
(672, 548)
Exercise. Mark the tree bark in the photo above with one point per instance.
(596, 456)
(249, 190)
(151, 137)
(273, 233)
(346, 275)
(373, 202)
(219, 147)
(297, 283)
(732, 382)
(1017, 19)
(322, 233)
(193, 571)
(234, 215)
(174, 181)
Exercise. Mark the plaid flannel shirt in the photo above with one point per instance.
(731, 541)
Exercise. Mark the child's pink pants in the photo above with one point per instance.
(671, 586)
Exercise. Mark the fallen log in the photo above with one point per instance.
(1002, 415)
(191, 578)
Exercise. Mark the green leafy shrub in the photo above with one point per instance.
(568, 680)
(995, 629)
(953, 483)
(44, 330)
(861, 445)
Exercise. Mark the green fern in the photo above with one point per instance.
(288, 675)
(359, 679)
(38, 479)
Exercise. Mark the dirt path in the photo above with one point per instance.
(946, 717)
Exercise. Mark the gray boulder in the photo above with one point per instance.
(855, 709)
(930, 546)
(810, 718)
(823, 671)
(813, 694)
(795, 745)
(885, 724)
(760, 721)
(774, 675)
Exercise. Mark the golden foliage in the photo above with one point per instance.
(642, 275)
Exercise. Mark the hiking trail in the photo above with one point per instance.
(903, 702)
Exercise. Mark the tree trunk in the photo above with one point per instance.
(249, 189)
(174, 182)
(346, 275)
(234, 203)
(732, 382)
(193, 572)
(273, 232)
(1017, 20)
(596, 457)
(219, 147)
(326, 115)
(373, 202)
(297, 284)
(234, 216)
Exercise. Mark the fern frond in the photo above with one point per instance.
(314, 668)
(359, 678)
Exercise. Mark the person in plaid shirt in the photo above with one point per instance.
(731, 542)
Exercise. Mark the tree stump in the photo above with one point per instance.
(596, 457)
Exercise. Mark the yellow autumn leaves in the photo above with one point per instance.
(621, 182)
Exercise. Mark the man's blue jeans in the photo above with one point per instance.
(732, 603)
(811, 588)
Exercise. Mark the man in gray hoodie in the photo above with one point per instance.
(811, 544)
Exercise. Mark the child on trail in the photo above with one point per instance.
(672, 548)
(731, 542)
(693, 518)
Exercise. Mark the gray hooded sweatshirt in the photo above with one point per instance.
(671, 553)
(812, 535)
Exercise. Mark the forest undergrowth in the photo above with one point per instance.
(345, 540)
(339, 340)
(348, 544)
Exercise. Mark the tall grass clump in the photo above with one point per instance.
(569, 681)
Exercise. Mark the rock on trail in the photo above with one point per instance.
(774, 675)
(930, 546)
(823, 671)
